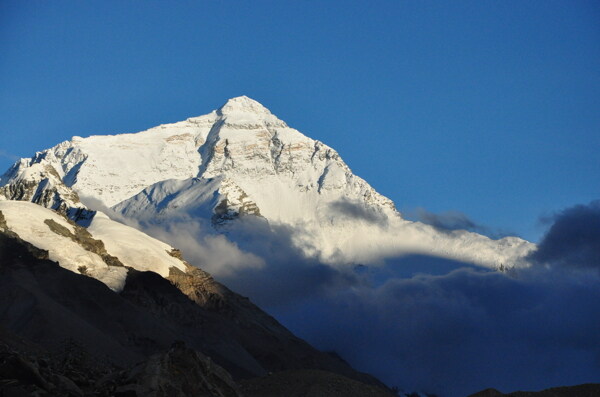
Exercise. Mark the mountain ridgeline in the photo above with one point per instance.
(91, 305)
(242, 161)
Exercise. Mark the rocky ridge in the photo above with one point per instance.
(40, 183)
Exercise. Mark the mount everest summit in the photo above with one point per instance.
(84, 297)
(241, 161)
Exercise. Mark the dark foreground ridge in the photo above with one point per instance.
(586, 390)
(307, 382)
(66, 334)
(178, 372)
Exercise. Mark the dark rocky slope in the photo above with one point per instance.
(178, 372)
(308, 383)
(77, 334)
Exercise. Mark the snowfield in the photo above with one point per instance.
(134, 248)
(241, 160)
(37, 225)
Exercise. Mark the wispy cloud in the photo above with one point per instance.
(449, 220)
(263, 262)
(455, 220)
(9, 156)
(356, 210)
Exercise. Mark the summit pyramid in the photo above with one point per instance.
(241, 161)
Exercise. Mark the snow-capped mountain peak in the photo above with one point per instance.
(242, 104)
(241, 160)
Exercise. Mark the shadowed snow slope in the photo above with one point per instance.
(241, 160)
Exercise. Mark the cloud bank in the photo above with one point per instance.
(573, 240)
(422, 323)
(459, 333)
(252, 258)
(456, 220)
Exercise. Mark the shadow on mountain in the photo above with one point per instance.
(454, 333)
(420, 322)
(76, 334)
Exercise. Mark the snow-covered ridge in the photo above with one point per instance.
(104, 250)
(40, 183)
(241, 137)
(242, 160)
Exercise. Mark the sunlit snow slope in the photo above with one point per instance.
(104, 250)
(241, 160)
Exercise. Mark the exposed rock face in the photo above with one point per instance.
(199, 286)
(40, 183)
(234, 202)
(82, 237)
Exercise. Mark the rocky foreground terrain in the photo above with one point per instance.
(68, 334)
(93, 307)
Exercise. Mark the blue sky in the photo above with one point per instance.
(490, 108)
